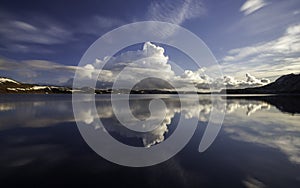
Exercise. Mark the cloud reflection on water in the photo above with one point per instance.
(250, 121)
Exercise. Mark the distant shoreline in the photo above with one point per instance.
(285, 85)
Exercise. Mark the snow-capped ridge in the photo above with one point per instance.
(3, 80)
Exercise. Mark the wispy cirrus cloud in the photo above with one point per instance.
(36, 35)
(286, 45)
(251, 6)
(272, 58)
(176, 12)
(268, 22)
(25, 48)
(19, 34)
(16, 30)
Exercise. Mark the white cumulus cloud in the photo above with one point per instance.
(250, 81)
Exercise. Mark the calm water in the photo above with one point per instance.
(258, 145)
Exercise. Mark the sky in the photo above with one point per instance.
(254, 41)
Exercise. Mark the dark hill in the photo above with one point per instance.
(287, 84)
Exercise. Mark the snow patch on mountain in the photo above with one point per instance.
(2, 80)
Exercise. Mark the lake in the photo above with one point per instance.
(258, 144)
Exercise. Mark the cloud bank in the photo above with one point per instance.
(150, 61)
(145, 63)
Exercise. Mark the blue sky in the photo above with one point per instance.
(258, 37)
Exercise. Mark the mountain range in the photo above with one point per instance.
(8, 85)
(287, 84)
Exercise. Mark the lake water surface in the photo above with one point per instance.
(258, 144)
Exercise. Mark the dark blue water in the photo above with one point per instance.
(41, 146)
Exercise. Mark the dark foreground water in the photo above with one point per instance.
(258, 145)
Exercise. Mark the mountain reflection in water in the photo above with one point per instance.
(259, 142)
